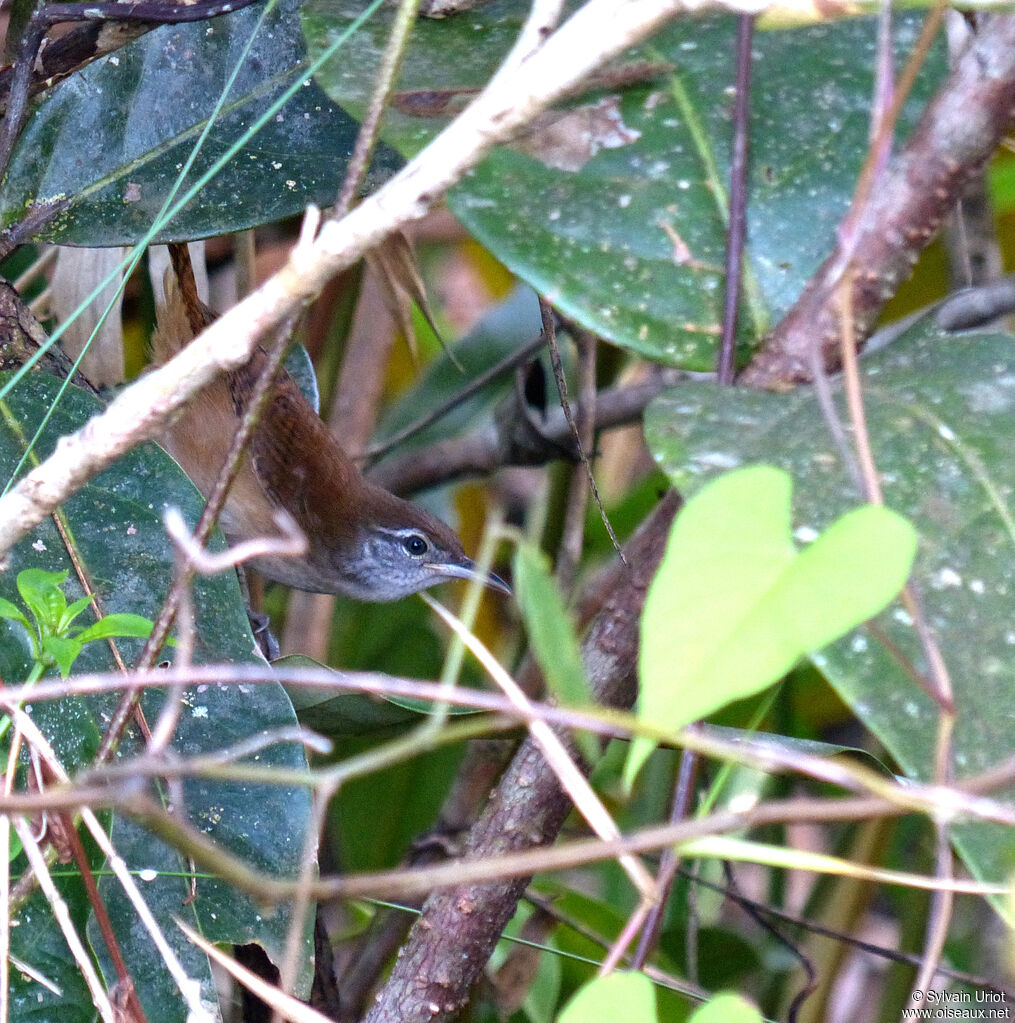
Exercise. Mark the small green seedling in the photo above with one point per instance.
(53, 638)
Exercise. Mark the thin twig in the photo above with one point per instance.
(573, 534)
(463, 873)
(290, 543)
(942, 900)
(474, 386)
(683, 798)
(736, 233)
(550, 335)
(765, 924)
(570, 777)
(366, 138)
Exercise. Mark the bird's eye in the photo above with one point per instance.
(415, 545)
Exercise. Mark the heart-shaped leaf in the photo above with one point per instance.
(617, 996)
(734, 605)
(727, 1008)
(939, 414)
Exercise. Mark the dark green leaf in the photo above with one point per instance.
(301, 369)
(44, 949)
(791, 744)
(939, 413)
(112, 138)
(340, 712)
(500, 333)
(115, 524)
(377, 817)
(630, 239)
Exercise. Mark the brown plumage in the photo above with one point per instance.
(363, 541)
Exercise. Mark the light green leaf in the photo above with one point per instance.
(63, 650)
(552, 637)
(120, 624)
(734, 606)
(13, 612)
(727, 1008)
(71, 612)
(40, 590)
(617, 996)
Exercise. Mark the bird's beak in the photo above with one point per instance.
(468, 570)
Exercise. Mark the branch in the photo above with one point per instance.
(508, 441)
(596, 33)
(959, 131)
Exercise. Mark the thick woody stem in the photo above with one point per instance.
(957, 134)
(458, 928)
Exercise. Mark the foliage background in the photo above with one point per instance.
(615, 209)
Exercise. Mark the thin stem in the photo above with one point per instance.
(736, 233)
(366, 139)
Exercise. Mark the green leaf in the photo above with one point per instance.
(110, 140)
(502, 331)
(300, 367)
(71, 612)
(939, 412)
(734, 606)
(727, 1008)
(630, 240)
(45, 949)
(41, 591)
(336, 712)
(618, 996)
(15, 846)
(552, 637)
(121, 623)
(14, 613)
(61, 651)
(115, 524)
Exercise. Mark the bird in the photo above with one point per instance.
(362, 541)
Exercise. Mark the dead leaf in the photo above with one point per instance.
(567, 139)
